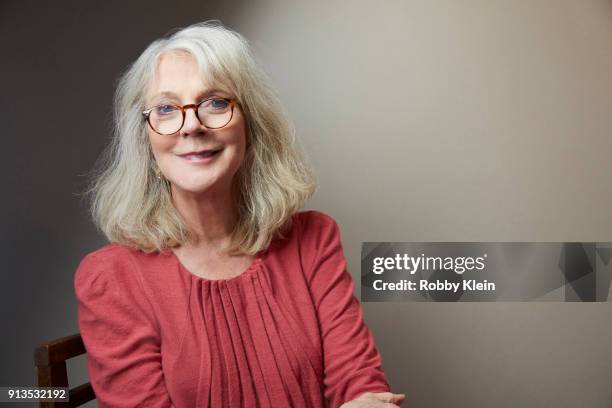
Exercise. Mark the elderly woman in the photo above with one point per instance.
(215, 289)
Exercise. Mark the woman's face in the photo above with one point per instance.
(177, 82)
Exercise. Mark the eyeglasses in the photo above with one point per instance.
(213, 113)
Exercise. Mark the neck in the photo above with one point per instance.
(211, 216)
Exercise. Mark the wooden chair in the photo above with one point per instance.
(50, 359)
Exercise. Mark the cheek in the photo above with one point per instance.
(159, 145)
(240, 138)
(239, 150)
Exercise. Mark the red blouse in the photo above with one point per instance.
(286, 332)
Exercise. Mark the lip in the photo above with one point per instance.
(199, 152)
(193, 158)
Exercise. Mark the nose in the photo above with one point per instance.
(192, 125)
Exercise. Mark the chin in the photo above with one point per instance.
(198, 188)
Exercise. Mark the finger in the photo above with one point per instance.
(389, 397)
(398, 398)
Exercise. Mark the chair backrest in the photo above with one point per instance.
(50, 360)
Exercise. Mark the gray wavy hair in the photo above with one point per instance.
(131, 206)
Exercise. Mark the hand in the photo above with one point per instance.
(376, 400)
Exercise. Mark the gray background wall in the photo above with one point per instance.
(470, 120)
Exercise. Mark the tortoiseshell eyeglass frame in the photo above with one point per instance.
(183, 108)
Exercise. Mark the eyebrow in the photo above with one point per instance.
(201, 95)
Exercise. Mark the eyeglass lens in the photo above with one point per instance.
(213, 113)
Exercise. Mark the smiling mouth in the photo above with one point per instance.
(200, 155)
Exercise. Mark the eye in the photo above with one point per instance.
(165, 109)
(220, 103)
(216, 105)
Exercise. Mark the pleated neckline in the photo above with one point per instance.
(250, 270)
(252, 349)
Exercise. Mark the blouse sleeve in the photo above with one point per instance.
(120, 335)
(352, 364)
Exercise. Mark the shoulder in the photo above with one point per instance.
(108, 265)
(315, 222)
(109, 289)
(110, 255)
(316, 231)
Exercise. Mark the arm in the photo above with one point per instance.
(352, 363)
(120, 335)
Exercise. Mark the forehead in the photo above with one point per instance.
(179, 74)
(170, 65)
